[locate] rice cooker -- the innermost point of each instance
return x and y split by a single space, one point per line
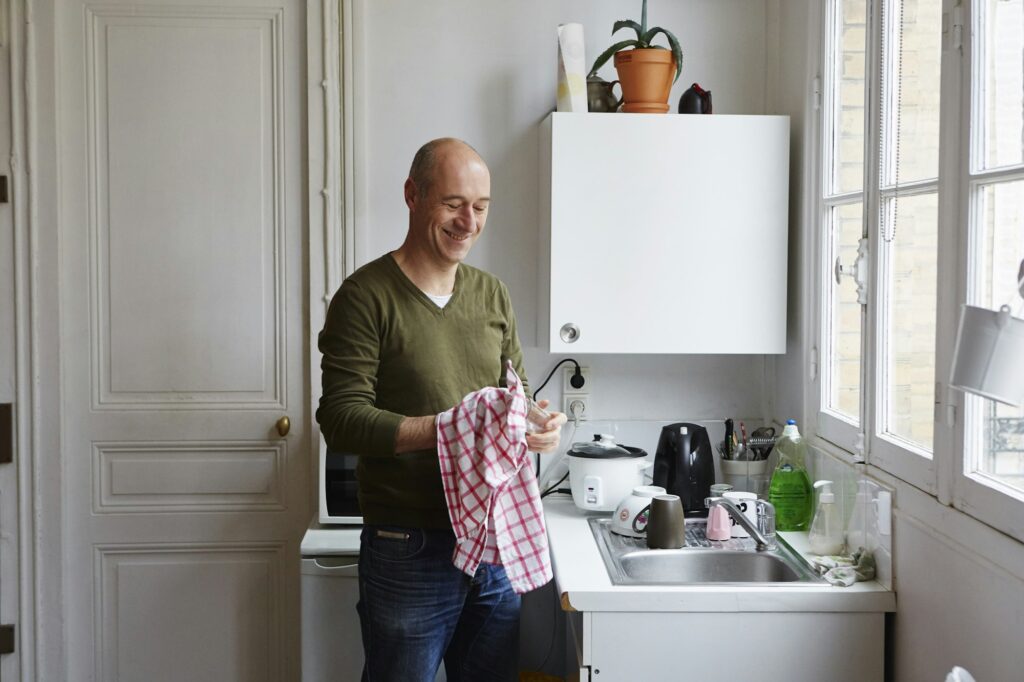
603 473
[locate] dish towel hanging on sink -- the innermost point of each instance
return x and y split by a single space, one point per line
490 487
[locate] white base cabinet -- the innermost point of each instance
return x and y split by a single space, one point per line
761 646
664 234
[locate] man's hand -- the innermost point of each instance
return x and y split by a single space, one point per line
550 433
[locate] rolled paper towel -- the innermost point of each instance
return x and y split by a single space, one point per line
572 81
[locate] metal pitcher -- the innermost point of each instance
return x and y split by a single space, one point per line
600 96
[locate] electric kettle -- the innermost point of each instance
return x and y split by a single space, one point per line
684 465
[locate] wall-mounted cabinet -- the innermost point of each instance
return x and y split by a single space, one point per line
664 234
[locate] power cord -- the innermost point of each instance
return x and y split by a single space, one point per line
576 381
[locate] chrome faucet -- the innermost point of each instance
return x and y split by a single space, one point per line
763 533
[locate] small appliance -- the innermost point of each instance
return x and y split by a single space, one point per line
684 465
602 473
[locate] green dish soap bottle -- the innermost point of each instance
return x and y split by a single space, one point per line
790 489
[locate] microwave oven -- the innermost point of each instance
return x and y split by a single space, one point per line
338 495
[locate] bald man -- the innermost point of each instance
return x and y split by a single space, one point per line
407 336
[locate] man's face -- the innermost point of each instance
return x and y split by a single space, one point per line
448 219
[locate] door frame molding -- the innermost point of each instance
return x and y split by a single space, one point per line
39 648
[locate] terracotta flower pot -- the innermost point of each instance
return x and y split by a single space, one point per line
646 79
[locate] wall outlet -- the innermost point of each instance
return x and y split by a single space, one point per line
567 388
576 406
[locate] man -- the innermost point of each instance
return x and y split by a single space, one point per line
407 336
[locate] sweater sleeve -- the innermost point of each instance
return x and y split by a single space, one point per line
350 344
510 347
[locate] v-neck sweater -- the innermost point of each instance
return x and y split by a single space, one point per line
390 352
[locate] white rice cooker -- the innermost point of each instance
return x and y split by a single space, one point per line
602 473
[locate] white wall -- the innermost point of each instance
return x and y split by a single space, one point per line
485 71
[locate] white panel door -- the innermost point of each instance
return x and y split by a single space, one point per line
182 337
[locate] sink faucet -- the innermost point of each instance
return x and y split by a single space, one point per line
763 533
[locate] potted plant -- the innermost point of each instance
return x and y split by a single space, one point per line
646 71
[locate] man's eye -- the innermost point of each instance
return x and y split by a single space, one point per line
454 207
479 209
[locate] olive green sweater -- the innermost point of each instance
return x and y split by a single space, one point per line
390 352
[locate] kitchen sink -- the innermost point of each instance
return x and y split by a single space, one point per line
701 561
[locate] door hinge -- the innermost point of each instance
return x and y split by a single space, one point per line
814 363
3 185
6 433
6 639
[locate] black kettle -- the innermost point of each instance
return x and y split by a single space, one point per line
683 465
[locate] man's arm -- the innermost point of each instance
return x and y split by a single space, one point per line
350 343
416 433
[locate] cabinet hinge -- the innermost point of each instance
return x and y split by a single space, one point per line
6 639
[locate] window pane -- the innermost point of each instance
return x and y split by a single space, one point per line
848 96
843 361
1002 82
911 85
909 354
995 432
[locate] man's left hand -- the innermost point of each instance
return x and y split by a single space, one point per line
550 435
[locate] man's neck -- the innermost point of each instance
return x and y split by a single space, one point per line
428 277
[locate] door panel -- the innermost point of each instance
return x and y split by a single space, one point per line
183 338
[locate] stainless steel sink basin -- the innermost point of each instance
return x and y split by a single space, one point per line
702 561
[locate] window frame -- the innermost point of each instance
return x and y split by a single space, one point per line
942 475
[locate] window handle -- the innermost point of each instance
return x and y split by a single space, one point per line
858 271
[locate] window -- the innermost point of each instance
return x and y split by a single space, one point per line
880 215
896 211
992 475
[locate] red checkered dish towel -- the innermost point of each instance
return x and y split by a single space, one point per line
489 485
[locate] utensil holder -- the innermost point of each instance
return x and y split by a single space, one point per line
750 476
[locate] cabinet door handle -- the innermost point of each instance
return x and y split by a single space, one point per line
569 333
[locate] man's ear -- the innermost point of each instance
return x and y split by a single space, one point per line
411 193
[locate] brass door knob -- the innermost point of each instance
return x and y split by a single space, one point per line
284 425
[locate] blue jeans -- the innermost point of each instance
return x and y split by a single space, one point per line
416 609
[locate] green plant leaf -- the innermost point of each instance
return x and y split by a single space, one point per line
607 54
628 23
673 43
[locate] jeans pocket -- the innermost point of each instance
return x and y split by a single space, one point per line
393 543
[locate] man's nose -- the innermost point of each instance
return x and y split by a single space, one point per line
465 215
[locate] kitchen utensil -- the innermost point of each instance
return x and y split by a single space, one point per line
761 442
684 465
602 473
747 503
727 443
666 528
632 514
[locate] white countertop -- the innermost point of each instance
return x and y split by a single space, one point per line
583 583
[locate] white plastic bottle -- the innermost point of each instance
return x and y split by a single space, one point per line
826 534
862 529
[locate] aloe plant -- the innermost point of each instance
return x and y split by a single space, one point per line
643 40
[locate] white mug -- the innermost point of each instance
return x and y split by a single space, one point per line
631 516
747 503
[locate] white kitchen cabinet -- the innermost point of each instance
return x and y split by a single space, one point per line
664 234
767 647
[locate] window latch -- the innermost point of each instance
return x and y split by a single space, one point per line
858 271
